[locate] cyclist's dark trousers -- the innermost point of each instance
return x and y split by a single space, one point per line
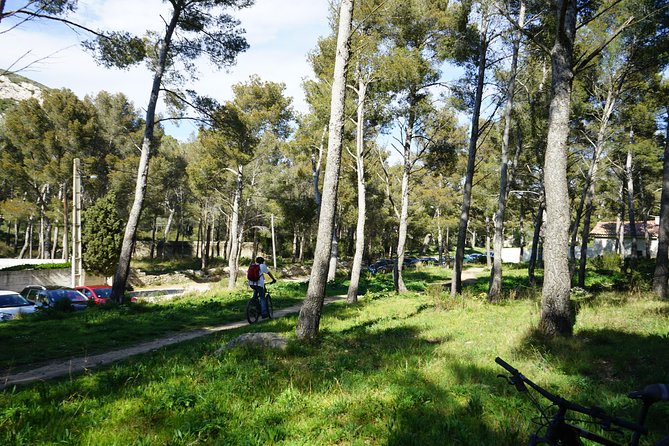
259 291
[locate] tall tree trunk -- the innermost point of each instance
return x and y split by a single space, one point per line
557 314
154 229
54 246
620 227
538 222
334 253
17 225
400 287
498 219
634 246
310 314
456 281
352 296
487 242
166 232
27 240
316 159
123 268
233 260
661 274
591 179
295 238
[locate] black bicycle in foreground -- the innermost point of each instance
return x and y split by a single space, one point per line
561 428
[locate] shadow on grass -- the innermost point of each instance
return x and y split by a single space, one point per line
41 338
613 362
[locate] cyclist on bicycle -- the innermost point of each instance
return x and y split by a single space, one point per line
259 285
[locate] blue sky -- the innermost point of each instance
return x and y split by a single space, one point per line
280 34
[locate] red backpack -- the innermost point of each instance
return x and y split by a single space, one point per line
253 273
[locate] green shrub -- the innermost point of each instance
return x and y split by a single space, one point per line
608 261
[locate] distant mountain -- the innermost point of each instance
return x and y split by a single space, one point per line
15 88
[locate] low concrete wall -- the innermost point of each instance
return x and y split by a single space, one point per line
17 280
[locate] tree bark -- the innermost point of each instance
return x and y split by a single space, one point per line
557 315
534 252
591 179
400 287
661 274
456 281
498 219
28 238
634 246
123 269
309 319
233 260
352 296
334 253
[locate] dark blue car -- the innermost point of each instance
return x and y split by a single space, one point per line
49 298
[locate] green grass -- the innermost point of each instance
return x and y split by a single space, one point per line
392 370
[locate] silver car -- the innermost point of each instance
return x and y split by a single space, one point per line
12 303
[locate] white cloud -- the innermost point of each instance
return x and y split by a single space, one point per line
280 33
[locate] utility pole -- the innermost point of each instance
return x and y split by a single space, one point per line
76 225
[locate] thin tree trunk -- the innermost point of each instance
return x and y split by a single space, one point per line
400 287
233 261
456 281
352 296
17 225
123 268
166 232
620 227
316 171
27 240
538 222
630 209
54 246
334 254
498 219
661 274
557 315
310 314
591 179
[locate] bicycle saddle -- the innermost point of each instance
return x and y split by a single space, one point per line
652 393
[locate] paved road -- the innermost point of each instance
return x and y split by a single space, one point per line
78 365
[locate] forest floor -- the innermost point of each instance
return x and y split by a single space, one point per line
80 364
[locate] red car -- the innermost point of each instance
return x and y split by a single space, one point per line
98 293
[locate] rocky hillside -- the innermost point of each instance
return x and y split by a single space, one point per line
14 88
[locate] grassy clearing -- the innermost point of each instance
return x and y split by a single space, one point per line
56 335
392 370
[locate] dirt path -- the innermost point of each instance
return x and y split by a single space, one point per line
77 365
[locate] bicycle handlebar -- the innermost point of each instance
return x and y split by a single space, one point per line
519 381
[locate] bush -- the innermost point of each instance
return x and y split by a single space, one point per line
608 261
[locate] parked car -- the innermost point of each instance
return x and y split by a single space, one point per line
99 294
474 257
49 295
428 260
381 266
12 304
410 261
30 292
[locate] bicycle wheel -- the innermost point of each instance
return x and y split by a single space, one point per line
270 308
253 311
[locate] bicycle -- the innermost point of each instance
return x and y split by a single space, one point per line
560 430
253 307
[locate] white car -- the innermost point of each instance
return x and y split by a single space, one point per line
12 303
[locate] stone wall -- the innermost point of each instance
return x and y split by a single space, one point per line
17 280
